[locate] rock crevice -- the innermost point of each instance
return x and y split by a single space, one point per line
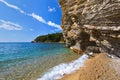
91 25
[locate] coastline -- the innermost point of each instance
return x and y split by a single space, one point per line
58 71
99 67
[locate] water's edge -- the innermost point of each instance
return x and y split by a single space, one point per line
58 71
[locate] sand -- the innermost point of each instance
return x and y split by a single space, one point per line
99 67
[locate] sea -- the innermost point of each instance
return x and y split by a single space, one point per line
37 61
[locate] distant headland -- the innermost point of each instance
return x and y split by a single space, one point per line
55 37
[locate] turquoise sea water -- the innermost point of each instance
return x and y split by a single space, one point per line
28 61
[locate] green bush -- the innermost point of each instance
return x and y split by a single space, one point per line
56 37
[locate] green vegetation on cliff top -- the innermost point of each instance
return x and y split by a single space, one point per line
56 37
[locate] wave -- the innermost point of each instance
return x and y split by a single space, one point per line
58 71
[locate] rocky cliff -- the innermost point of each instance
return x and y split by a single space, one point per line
91 25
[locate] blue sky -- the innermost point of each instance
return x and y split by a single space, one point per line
24 20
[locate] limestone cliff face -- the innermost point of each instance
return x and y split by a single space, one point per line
91 25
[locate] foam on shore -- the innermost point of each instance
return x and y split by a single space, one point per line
58 71
98 67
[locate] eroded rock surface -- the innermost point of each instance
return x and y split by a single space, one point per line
92 25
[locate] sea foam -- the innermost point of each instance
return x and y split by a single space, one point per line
58 71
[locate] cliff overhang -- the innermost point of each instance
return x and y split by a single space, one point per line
91 25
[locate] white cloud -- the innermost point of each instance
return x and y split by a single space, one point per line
53 24
42 20
9 25
37 17
33 15
51 9
12 6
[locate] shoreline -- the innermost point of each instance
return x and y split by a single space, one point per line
60 70
98 67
